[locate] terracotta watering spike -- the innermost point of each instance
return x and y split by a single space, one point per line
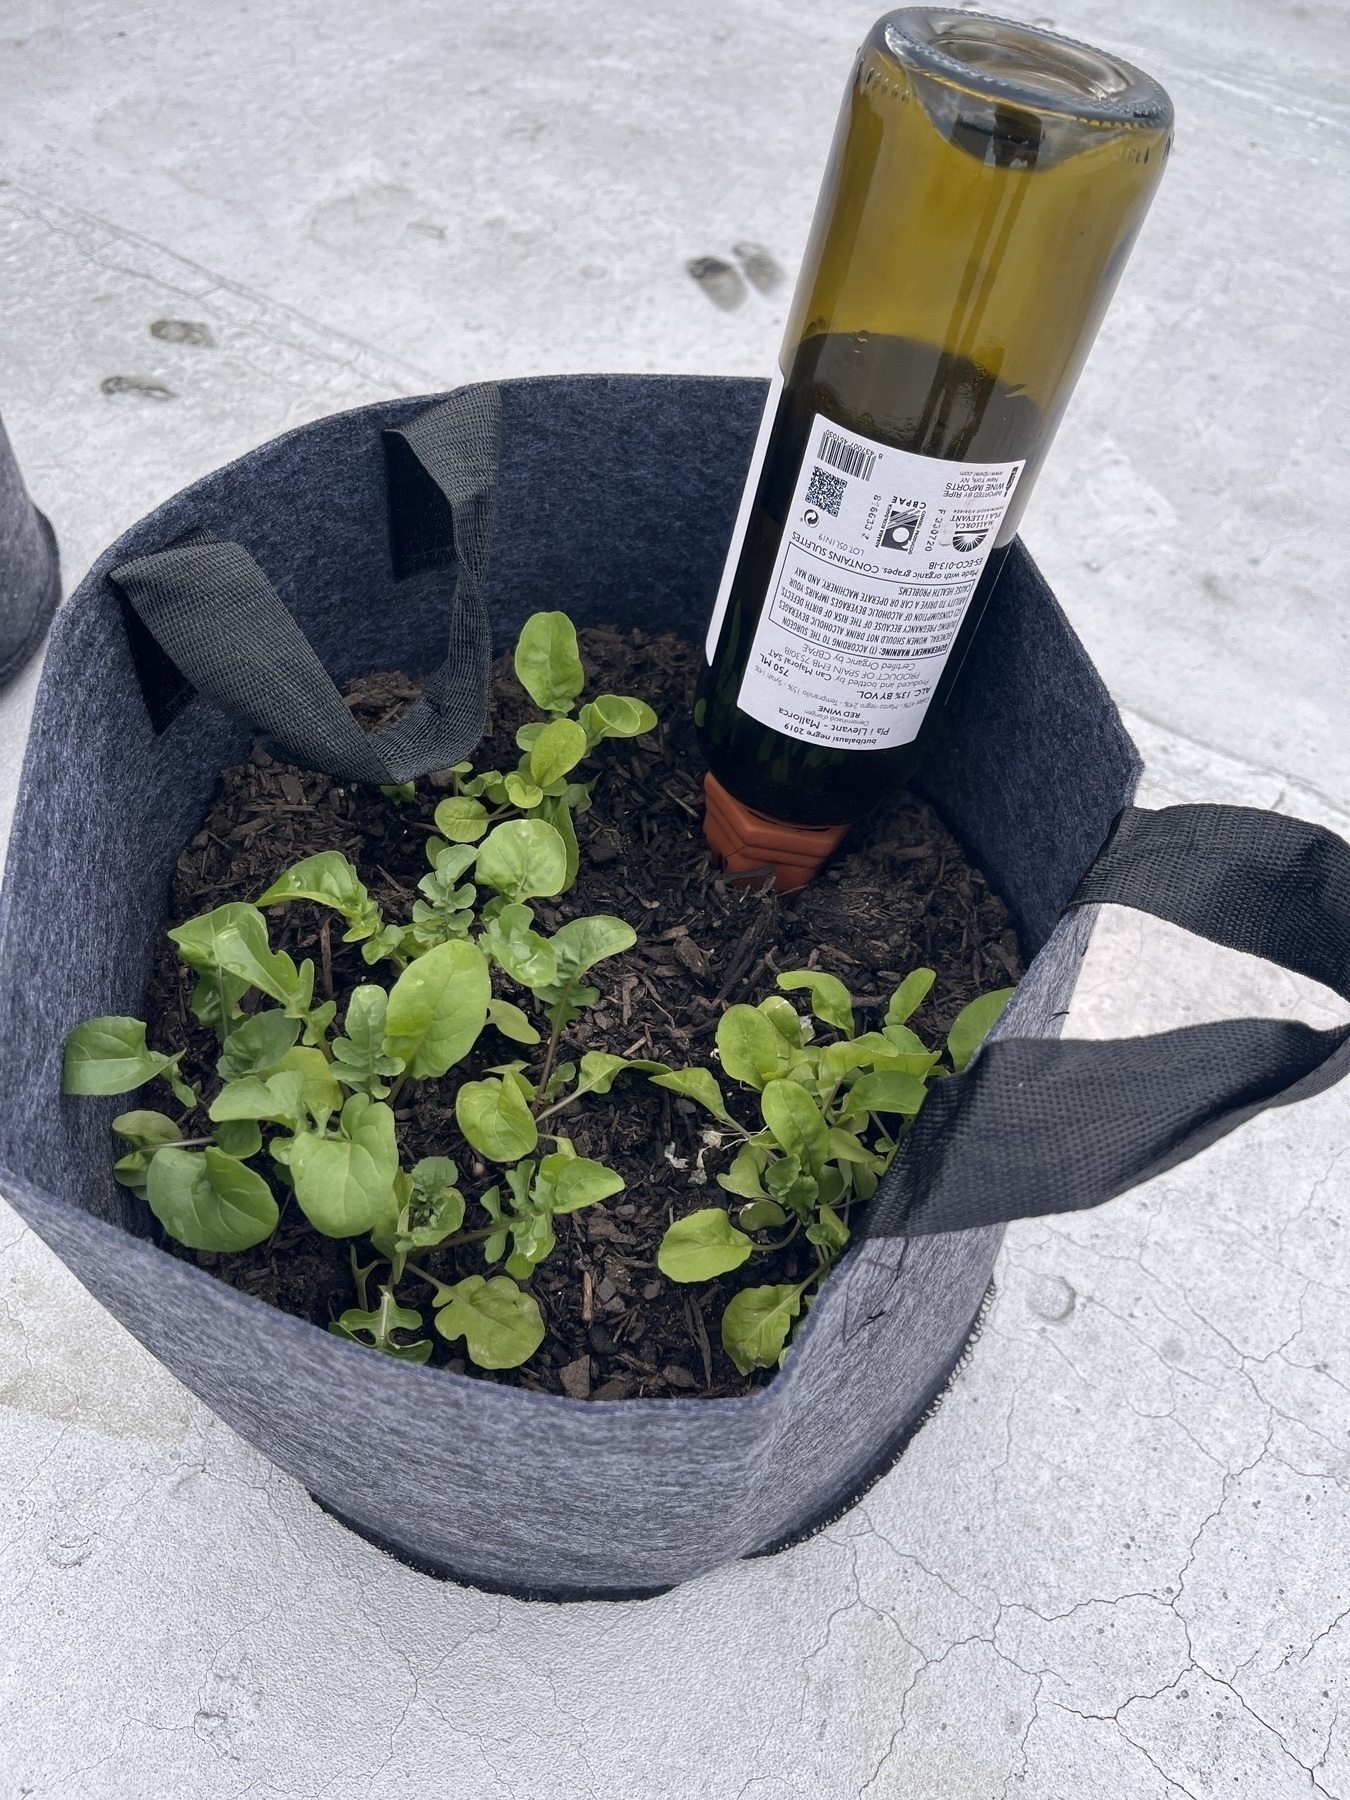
750 843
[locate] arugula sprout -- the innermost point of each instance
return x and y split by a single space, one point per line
502 1327
374 1327
109 1056
833 1113
366 1065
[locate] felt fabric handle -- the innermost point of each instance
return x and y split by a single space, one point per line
215 614
1038 1126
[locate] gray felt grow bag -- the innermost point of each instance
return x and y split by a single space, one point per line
30 572
615 502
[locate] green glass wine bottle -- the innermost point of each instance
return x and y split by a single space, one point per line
984 189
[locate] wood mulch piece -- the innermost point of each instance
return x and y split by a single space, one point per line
900 895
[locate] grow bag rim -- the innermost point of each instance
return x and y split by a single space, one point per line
375 408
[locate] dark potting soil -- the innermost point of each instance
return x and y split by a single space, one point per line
900 895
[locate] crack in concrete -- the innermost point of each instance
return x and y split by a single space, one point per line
334 346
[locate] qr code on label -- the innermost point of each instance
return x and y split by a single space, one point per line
825 490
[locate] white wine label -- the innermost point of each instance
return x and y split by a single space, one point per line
879 558
757 455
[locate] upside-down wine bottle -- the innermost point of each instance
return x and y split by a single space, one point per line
985 186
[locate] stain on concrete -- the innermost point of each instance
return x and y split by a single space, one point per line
372 217
720 282
141 387
761 269
1051 1298
183 331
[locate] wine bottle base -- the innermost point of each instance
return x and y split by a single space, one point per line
751 844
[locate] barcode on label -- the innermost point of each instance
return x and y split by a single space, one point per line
853 459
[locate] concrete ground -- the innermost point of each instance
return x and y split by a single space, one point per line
1118 1561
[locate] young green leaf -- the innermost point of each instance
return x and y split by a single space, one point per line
599 1071
794 1119
450 860
616 716
319 1092
329 880
510 941
921 1065
501 1326
523 859
461 820
494 1118
887 1091
582 943
565 1184
146 1130
556 810
697 1084
746 1174
109 1056
832 1185
234 938
132 1171
563 1073
750 1048
351 1324
359 1058
344 1184
215 1000
511 1022
834 1061
829 1230
239 1137
437 1008
973 1024
489 782
756 1324
316 1021
546 661
845 1147
703 1245
380 1325
786 1181
556 751
831 1001
784 1018
278 1098
514 1073
447 910
532 1240
909 996
258 1045
210 1201
522 792
432 1177
392 941
762 1215
435 1207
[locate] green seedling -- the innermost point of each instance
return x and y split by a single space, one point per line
832 1115
314 1107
